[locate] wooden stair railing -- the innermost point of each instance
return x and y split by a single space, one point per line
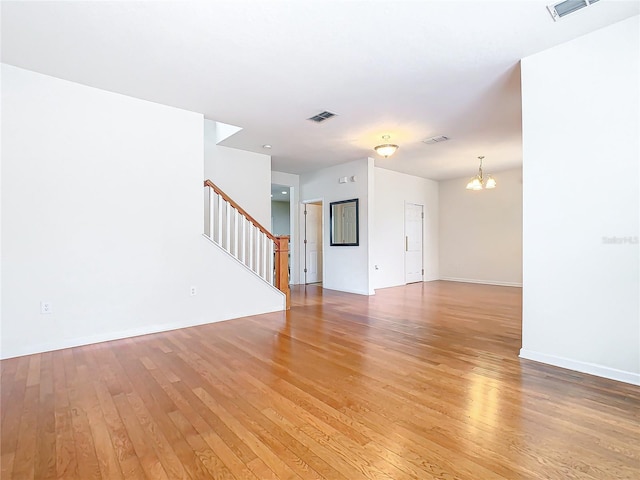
231 227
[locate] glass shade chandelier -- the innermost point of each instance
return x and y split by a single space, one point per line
387 149
479 182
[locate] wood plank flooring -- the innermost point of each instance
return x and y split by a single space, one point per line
416 382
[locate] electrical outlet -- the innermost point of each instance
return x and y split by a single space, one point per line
45 307
194 291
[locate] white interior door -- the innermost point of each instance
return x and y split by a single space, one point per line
413 218
313 243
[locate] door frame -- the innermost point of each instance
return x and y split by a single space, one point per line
293 229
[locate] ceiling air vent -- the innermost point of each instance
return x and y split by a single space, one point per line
559 10
322 116
437 139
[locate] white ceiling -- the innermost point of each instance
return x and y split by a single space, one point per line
409 69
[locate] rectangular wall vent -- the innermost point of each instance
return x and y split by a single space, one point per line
559 10
322 116
436 139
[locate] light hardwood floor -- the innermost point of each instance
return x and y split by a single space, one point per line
421 381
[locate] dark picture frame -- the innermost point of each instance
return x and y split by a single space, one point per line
344 223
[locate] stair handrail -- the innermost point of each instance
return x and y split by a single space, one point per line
227 198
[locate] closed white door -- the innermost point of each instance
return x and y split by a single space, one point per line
313 243
413 218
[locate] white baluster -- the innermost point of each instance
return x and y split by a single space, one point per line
219 210
261 254
258 269
232 227
211 212
236 230
243 236
265 247
258 251
251 248
227 232
270 253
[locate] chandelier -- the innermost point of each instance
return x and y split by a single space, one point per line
479 182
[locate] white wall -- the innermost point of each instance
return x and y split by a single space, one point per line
392 191
1 210
102 216
581 124
481 231
281 219
345 268
244 176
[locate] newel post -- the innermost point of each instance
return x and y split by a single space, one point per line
282 267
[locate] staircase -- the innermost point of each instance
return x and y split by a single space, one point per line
230 227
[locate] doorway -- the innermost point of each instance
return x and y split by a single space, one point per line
312 241
282 220
413 228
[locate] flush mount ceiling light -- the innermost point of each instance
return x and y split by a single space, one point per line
478 182
387 149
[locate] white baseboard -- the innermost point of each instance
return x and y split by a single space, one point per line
22 350
484 282
583 367
349 290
